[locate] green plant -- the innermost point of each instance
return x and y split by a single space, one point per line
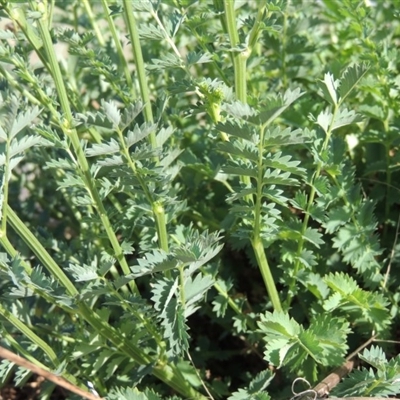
124 265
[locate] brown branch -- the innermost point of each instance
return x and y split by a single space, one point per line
328 383
58 380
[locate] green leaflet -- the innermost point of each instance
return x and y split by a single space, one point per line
380 380
290 344
364 307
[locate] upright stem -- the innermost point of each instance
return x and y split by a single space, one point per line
269 282
118 47
157 208
256 240
94 23
239 57
72 134
388 180
300 245
239 65
139 63
4 188
283 50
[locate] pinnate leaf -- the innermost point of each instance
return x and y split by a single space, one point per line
350 78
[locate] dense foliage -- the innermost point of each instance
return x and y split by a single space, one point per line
200 199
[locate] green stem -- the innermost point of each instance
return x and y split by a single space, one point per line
283 51
147 323
8 247
255 30
159 213
388 181
256 240
17 15
157 208
51 11
5 243
122 59
311 197
206 49
9 338
33 360
225 294
169 375
239 67
4 189
27 332
93 22
139 63
239 57
73 136
262 262
33 243
182 285
233 305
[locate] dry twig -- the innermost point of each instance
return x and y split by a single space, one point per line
58 380
327 384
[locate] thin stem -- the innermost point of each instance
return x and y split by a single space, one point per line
283 50
256 240
28 269
159 213
392 254
166 372
225 294
28 333
9 248
233 305
118 47
41 253
73 135
239 67
259 196
388 181
17 15
15 345
139 63
262 262
311 197
6 178
51 11
157 208
239 57
206 49
133 310
182 297
255 30
93 22
199 376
